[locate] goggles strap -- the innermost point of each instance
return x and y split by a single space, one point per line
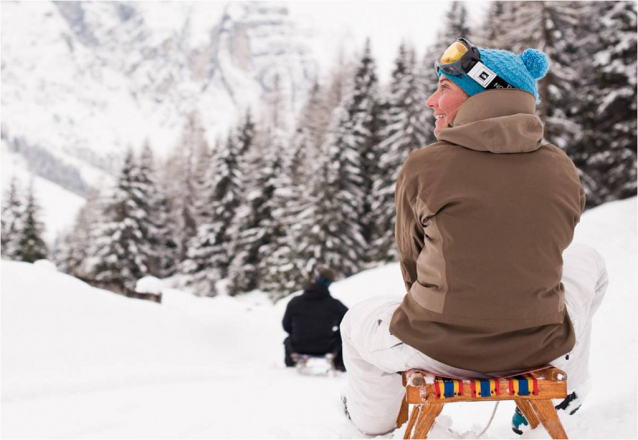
487 78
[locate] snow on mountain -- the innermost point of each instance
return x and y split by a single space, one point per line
90 79
82 362
59 206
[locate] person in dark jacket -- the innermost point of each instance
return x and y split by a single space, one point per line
312 321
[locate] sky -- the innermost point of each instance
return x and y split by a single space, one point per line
387 23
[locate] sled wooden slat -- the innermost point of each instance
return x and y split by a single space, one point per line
537 408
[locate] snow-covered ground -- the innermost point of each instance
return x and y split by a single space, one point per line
79 362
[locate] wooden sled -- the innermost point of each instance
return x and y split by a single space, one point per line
532 391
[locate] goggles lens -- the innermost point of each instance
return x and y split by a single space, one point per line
453 53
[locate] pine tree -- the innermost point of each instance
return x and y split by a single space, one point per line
180 188
121 251
246 232
330 228
312 126
608 102
31 246
59 251
340 81
490 36
280 265
360 132
592 66
11 214
552 28
153 223
405 130
209 251
75 245
455 25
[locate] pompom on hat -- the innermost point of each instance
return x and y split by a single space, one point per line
521 71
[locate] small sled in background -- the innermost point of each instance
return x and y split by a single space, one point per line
315 365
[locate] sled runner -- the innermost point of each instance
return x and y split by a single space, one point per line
532 391
314 365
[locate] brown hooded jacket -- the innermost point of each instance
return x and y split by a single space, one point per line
483 216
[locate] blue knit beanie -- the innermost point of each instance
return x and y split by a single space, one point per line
521 71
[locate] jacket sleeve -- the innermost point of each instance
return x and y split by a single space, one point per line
408 229
287 321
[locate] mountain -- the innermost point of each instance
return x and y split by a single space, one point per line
86 80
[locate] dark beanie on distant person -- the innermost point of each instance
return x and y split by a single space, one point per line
325 275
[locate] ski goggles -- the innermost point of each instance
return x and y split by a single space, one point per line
462 58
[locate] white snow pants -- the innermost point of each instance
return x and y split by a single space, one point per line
373 356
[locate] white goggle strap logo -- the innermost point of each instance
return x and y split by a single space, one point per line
482 74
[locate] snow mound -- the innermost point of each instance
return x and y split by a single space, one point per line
149 284
46 265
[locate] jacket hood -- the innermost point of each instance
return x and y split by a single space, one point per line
498 121
316 291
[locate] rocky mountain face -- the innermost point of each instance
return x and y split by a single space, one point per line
87 80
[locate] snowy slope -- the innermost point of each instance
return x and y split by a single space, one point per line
79 362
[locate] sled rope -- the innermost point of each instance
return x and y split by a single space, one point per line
491 418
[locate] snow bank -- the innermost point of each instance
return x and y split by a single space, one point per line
149 284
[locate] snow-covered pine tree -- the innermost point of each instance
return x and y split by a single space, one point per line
330 228
29 229
489 36
246 232
209 251
153 225
606 152
339 81
201 159
12 210
283 266
180 191
59 249
75 245
311 126
246 132
406 129
455 25
361 133
280 266
551 27
485 35
578 41
120 250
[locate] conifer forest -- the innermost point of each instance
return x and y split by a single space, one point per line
267 202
